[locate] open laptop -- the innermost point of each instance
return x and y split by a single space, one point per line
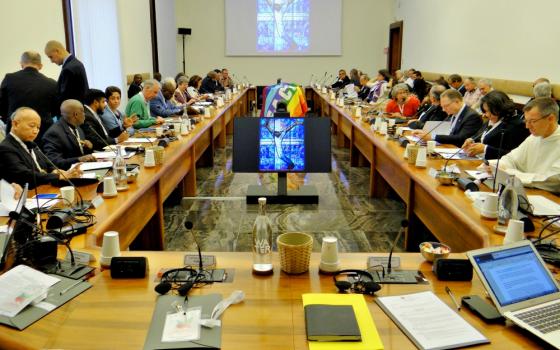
521 286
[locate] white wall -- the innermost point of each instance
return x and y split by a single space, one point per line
166 37
365 31
28 25
507 39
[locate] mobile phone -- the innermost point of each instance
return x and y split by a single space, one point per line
482 309
46 196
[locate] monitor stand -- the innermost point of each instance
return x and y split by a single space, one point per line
306 194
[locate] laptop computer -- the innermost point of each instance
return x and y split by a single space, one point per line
521 286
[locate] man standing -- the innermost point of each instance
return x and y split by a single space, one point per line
465 122
138 105
29 88
18 159
64 143
72 81
536 162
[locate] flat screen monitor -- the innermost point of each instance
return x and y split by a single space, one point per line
282 144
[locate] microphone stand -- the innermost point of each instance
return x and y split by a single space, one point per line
399 276
498 162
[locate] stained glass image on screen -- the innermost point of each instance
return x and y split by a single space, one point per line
281 144
282 25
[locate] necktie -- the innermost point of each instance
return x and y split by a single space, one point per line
77 134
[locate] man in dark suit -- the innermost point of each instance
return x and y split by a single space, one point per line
29 88
93 127
342 80
64 143
210 84
72 81
456 82
433 112
465 122
136 86
20 159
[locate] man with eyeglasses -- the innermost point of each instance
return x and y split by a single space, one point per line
536 162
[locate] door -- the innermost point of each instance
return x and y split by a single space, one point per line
395 46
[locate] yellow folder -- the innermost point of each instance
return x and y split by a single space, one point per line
370 337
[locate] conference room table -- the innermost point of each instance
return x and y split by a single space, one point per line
444 210
116 313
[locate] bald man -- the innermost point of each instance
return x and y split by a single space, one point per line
64 143
19 161
72 81
29 88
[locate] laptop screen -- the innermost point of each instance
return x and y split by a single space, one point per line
515 275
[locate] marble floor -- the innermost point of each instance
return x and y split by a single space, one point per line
222 221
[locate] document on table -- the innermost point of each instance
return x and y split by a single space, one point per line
141 140
93 165
111 155
7 201
543 206
429 322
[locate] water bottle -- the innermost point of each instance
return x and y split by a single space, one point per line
262 242
119 171
508 203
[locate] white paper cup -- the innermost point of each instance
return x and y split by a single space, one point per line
110 247
391 122
159 131
109 187
514 231
431 146
421 157
399 131
149 159
490 206
68 194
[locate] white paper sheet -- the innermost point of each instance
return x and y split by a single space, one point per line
7 201
141 140
94 165
543 206
429 321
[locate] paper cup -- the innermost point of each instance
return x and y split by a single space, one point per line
110 248
68 195
490 206
149 160
159 131
421 157
431 147
412 153
329 255
109 187
295 251
514 231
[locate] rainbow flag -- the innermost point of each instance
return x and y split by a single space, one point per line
291 93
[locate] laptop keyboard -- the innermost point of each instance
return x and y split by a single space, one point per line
545 319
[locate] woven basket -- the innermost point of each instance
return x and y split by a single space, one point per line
295 251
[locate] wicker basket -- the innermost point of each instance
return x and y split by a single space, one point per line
295 251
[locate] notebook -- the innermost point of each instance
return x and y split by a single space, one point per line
522 287
331 323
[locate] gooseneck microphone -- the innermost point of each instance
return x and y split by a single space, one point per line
189 226
404 225
498 161
90 128
83 205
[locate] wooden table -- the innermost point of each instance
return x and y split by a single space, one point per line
137 214
116 314
444 210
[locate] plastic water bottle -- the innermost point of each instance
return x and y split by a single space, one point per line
262 242
508 203
119 171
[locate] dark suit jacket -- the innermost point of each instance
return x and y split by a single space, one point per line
72 82
18 165
514 131
364 92
210 86
92 123
432 113
133 89
462 90
339 84
29 88
419 88
61 146
467 125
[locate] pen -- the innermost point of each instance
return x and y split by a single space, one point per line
453 298
71 286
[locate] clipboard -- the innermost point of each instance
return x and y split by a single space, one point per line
33 313
210 338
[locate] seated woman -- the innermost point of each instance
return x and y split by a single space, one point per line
504 130
181 98
402 104
379 86
114 120
192 90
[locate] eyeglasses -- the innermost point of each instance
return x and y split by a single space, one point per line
533 121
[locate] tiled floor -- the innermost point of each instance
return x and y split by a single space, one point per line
223 222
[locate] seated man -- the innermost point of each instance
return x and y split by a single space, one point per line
465 122
95 130
342 80
433 112
138 105
456 82
161 104
472 94
136 86
64 142
537 160
210 83
20 159
226 80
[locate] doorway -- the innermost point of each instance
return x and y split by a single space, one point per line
395 46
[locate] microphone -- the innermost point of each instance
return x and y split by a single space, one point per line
189 226
404 225
311 79
38 214
460 149
90 128
144 136
498 161
82 205
247 80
